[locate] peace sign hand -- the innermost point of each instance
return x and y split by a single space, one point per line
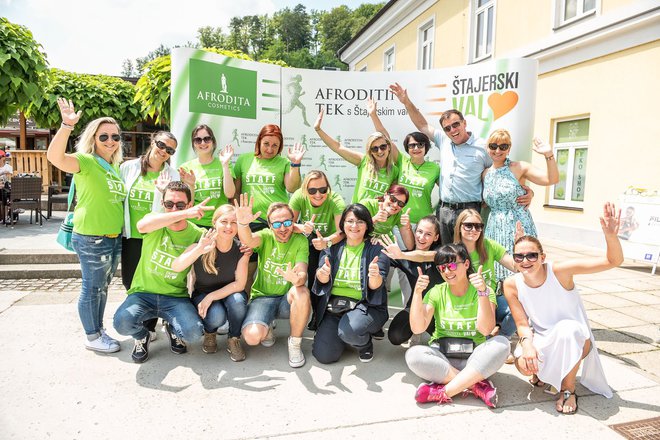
199 210
68 112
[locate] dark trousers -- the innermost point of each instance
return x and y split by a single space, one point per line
353 328
312 267
131 249
447 216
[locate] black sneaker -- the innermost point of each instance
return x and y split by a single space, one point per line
367 354
380 334
176 344
141 350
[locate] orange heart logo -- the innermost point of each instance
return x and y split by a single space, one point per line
501 104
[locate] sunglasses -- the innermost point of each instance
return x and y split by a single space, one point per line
416 146
180 206
375 148
104 137
285 223
322 190
451 266
163 146
502 147
399 203
448 128
531 257
470 226
205 139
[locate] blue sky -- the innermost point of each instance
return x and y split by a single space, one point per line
95 36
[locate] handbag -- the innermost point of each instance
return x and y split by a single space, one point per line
460 348
338 305
66 228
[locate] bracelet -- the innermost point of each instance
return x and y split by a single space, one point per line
484 293
520 341
295 165
548 158
243 224
66 126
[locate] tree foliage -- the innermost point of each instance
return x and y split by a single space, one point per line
22 68
95 95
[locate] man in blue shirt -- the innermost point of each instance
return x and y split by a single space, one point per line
462 159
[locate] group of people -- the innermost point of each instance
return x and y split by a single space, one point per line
209 245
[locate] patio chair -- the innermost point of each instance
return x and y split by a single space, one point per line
25 194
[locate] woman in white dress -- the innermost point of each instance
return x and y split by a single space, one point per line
552 324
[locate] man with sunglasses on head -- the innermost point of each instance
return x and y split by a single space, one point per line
462 159
157 290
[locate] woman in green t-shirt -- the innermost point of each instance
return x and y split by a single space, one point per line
459 356
213 177
376 167
99 214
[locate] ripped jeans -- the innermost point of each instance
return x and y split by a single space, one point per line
99 257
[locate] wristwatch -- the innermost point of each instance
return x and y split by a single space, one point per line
328 243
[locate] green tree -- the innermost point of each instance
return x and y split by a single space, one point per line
336 28
141 62
293 28
22 68
209 36
127 69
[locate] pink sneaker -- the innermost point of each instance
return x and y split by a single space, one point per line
486 392
431 392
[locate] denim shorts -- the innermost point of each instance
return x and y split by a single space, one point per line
265 309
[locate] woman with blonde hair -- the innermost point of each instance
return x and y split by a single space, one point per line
99 214
376 167
220 273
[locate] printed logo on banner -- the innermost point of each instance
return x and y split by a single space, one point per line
222 90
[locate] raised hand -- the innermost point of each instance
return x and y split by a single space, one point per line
188 177
541 147
390 248
371 106
289 274
319 120
244 209
308 226
226 154
405 219
520 231
207 242
477 280
199 210
324 270
163 180
381 215
319 242
422 281
373 270
68 112
611 219
296 153
399 92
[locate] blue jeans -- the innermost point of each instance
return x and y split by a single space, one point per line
264 309
503 317
179 312
99 257
233 308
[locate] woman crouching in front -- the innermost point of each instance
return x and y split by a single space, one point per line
459 358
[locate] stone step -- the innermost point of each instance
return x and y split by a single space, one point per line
37 256
34 271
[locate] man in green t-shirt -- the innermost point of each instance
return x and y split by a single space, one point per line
157 289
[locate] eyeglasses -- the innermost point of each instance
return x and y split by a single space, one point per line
226 224
416 146
375 148
451 266
205 139
449 127
470 226
104 137
393 199
163 146
285 223
180 206
322 190
531 257
502 147
355 222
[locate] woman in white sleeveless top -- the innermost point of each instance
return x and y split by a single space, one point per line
552 324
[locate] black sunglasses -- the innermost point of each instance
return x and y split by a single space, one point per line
104 137
393 199
375 148
531 257
476 226
180 206
502 147
415 146
205 139
163 146
322 190
448 128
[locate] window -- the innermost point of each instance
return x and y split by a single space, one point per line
571 148
388 60
484 16
569 11
425 46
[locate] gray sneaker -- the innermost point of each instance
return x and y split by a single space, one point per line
270 338
103 344
296 356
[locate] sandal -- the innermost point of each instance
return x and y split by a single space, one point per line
536 381
566 394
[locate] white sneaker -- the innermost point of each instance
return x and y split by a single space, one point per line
296 356
269 341
103 344
223 329
153 336
415 339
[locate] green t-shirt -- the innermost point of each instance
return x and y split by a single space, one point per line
455 316
208 183
273 254
101 194
324 221
141 200
160 248
494 252
382 228
368 186
262 179
419 180
347 281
